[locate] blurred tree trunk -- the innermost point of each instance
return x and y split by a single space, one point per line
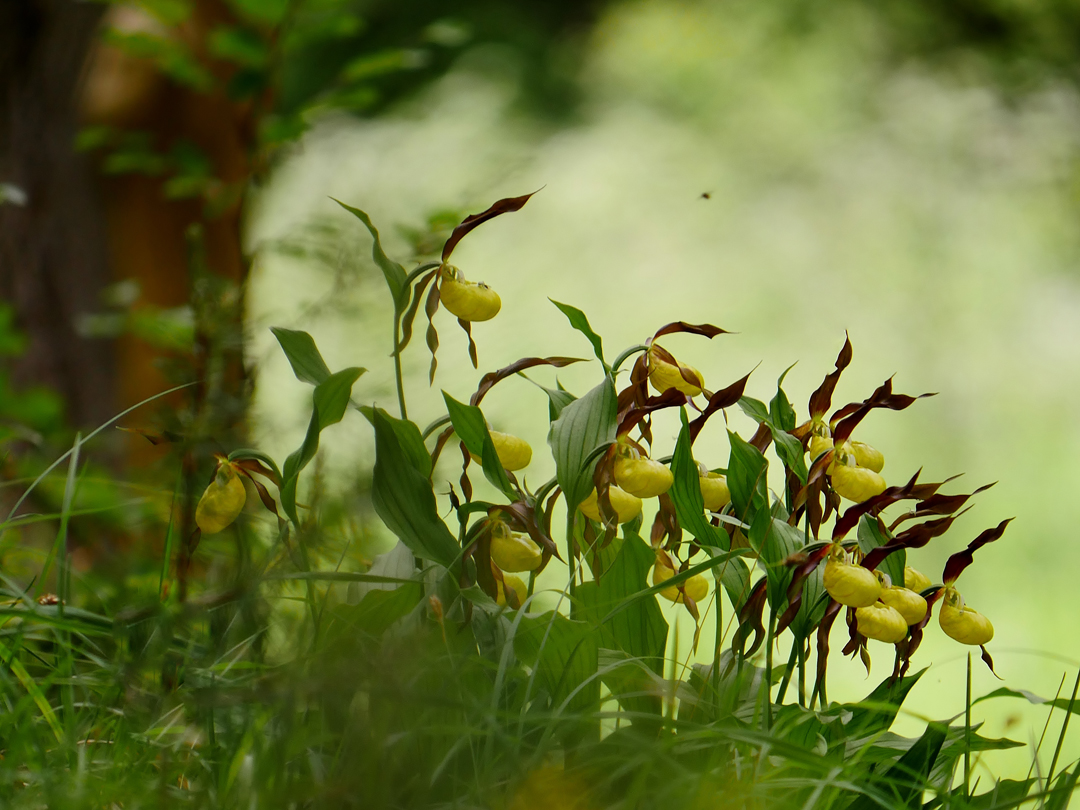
53 254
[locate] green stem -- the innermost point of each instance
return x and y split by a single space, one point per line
1061 736
571 558
768 669
802 672
967 734
641 347
397 365
782 693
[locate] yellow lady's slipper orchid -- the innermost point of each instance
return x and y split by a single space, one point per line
714 491
469 300
916 580
512 551
626 506
963 623
906 602
697 587
819 445
664 375
514 453
222 501
881 622
869 457
516 584
856 483
642 477
851 585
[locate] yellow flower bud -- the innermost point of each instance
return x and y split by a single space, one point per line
664 375
222 501
851 585
963 623
714 491
697 587
514 453
856 483
469 300
869 457
642 477
881 622
916 580
516 584
626 506
513 551
906 602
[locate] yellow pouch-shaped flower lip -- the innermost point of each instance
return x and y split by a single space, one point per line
468 300
664 375
714 491
626 506
516 584
851 585
881 622
697 587
819 445
514 453
856 483
962 623
222 501
869 457
906 602
514 552
642 477
916 580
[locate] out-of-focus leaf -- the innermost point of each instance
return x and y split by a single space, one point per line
583 426
241 46
875 713
393 272
303 355
1064 787
906 781
503 206
403 497
564 651
1058 703
581 323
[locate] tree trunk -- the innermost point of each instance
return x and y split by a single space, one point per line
53 253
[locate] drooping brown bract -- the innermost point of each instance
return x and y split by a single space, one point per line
503 206
821 399
956 564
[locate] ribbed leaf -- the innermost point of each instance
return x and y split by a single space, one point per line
471 427
393 272
583 425
303 355
329 401
403 497
581 323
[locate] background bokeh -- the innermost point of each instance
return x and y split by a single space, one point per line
727 163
